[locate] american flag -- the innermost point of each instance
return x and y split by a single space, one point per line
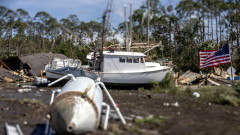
213 58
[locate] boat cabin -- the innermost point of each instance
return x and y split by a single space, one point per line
118 61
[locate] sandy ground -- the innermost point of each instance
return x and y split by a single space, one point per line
181 115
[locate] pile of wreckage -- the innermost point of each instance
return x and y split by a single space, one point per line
28 68
218 77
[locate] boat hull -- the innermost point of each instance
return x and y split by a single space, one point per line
118 78
131 78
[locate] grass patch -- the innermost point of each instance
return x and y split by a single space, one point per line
31 101
134 129
115 130
223 95
152 119
220 95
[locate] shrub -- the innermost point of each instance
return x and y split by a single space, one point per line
166 86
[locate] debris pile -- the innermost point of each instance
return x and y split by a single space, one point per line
8 76
28 68
191 78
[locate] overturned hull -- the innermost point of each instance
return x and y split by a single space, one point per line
76 109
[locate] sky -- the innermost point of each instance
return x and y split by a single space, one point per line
86 10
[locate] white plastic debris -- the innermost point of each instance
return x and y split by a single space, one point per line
25 122
28 86
196 94
166 104
175 104
24 90
42 90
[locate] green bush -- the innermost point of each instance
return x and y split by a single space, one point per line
237 87
166 86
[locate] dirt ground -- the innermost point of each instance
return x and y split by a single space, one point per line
181 115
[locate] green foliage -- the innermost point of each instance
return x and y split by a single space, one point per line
166 86
192 26
134 129
237 87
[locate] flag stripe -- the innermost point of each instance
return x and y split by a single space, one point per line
218 61
213 58
215 64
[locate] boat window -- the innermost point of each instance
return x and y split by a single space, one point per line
122 59
129 60
142 60
136 60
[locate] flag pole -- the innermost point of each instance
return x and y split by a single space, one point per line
230 45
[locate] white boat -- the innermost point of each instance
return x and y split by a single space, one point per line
125 68
116 68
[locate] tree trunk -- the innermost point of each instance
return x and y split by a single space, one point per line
212 26
208 27
220 28
203 27
216 19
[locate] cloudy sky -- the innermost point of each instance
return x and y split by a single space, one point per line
86 10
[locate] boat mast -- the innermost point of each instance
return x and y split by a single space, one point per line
127 29
103 30
128 32
130 27
105 21
148 24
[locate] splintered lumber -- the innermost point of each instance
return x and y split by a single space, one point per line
9 80
183 76
220 80
213 82
189 77
7 76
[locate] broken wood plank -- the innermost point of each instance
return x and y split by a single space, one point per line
213 82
